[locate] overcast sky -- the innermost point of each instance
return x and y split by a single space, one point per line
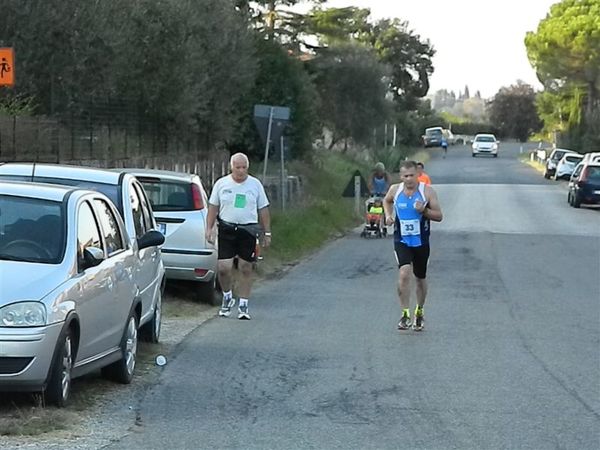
479 43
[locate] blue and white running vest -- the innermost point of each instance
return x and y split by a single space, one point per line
412 229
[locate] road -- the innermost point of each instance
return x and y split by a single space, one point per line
509 357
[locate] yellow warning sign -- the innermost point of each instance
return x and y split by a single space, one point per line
7 66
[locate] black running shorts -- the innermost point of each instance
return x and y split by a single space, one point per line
417 256
235 241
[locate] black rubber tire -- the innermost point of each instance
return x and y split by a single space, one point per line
150 331
122 370
205 292
58 389
576 201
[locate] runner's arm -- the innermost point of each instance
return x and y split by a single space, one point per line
388 204
433 211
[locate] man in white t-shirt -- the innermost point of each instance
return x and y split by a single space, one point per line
239 204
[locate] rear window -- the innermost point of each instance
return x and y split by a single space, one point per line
168 195
485 139
593 173
558 155
31 230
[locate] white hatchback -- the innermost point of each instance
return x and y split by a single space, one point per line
485 144
180 206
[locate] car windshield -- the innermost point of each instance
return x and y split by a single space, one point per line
573 159
31 230
485 139
166 195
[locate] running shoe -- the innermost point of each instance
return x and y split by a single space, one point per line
243 312
226 306
419 322
404 323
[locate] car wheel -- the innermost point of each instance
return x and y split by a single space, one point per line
495 155
473 155
58 389
546 175
576 201
122 370
205 292
150 332
569 201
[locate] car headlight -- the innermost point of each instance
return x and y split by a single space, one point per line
495 147
23 314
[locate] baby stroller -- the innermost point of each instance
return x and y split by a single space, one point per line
374 218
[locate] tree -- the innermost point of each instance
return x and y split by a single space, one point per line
352 88
513 111
280 80
408 57
564 52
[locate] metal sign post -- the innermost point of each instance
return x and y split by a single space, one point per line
283 177
267 145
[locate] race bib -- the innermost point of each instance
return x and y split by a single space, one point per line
410 227
240 201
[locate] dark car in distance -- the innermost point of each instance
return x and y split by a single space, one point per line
584 185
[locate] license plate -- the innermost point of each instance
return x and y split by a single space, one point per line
162 227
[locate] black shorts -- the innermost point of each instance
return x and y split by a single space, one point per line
236 241
417 256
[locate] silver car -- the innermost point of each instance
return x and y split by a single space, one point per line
130 199
68 300
180 206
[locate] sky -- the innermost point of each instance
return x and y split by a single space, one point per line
479 43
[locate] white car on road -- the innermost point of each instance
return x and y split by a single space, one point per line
485 144
566 165
180 206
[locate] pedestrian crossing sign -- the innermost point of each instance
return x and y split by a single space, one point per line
7 66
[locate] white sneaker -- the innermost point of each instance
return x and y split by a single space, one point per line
243 312
226 306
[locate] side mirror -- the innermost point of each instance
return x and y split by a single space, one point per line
92 256
152 238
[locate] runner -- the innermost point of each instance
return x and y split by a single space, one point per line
411 205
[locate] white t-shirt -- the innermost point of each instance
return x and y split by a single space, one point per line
239 202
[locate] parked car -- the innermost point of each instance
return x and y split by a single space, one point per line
566 165
433 137
130 199
68 301
180 205
584 185
591 157
552 161
485 144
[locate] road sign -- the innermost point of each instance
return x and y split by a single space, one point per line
270 122
7 66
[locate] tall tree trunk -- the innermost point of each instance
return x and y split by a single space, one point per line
271 20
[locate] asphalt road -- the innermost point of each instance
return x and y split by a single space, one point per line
509 359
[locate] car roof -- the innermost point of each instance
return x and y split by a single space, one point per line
163 174
36 190
485 134
62 171
563 150
572 155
